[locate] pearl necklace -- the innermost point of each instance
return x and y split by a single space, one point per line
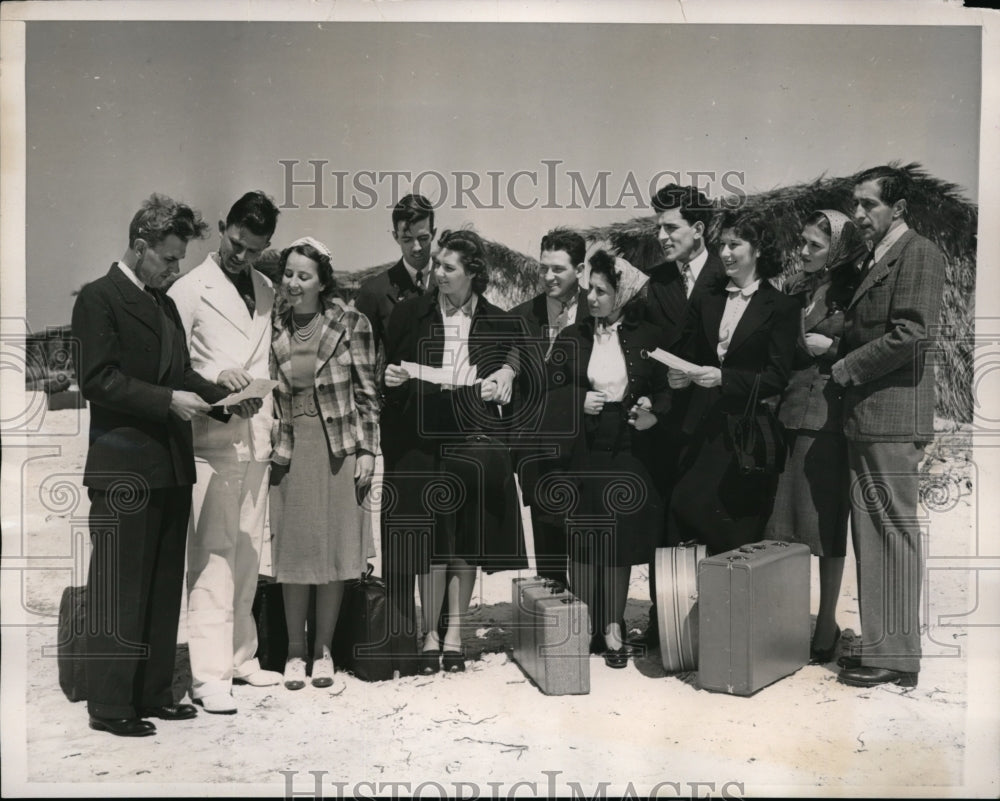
304 332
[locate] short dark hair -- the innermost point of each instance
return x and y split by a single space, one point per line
574 245
893 183
753 228
412 209
324 269
256 212
470 246
603 263
694 206
161 216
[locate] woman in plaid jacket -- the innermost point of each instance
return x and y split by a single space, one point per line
325 439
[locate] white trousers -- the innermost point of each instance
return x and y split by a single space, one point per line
224 543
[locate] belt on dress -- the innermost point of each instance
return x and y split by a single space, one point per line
304 403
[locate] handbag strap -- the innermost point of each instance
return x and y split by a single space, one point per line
752 400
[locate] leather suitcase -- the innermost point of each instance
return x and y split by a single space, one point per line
753 616
71 643
522 623
677 605
554 645
362 642
272 632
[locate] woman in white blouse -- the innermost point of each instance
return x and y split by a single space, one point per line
740 331
454 471
599 374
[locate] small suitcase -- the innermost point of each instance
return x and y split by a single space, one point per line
554 644
523 624
753 616
272 631
362 642
72 643
676 572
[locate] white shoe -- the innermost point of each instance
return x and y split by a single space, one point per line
295 673
217 704
322 670
259 678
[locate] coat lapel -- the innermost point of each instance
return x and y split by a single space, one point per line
136 302
880 269
711 314
333 332
401 286
755 315
222 295
263 306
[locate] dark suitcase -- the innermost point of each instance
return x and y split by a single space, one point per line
677 605
362 642
272 631
553 646
71 643
753 616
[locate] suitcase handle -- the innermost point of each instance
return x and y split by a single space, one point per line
752 548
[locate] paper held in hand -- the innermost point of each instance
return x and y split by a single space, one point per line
676 362
463 376
258 388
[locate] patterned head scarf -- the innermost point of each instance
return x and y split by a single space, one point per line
630 279
839 241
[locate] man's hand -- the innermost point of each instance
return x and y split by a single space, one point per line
640 417
839 373
187 405
707 377
395 376
504 380
247 408
593 403
817 344
678 379
235 379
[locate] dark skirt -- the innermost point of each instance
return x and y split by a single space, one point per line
813 500
456 499
712 502
618 516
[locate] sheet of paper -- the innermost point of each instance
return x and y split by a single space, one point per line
676 362
258 388
462 377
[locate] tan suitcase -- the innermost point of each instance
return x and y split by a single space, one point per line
677 605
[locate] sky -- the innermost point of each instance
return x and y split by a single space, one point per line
204 111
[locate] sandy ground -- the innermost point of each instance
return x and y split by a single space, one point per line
480 733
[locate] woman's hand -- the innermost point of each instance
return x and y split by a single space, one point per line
593 403
678 379
817 344
707 377
503 385
363 469
640 417
395 376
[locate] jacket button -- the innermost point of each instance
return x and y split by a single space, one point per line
319 386
329 419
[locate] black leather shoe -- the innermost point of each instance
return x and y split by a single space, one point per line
123 727
429 662
453 661
650 638
849 662
169 712
874 676
616 657
820 656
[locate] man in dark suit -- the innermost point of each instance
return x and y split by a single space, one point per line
683 215
143 393
562 303
888 419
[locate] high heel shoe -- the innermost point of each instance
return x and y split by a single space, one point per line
453 661
429 662
821 656
617 657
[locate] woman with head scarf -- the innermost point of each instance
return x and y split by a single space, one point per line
326 435
598 374
812 503
741 333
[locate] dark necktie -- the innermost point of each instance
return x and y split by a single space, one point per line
866 265
418 282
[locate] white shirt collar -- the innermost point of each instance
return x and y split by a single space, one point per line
130 275
746 291
889 240
696 264
468 308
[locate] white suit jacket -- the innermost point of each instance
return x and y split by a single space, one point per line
220 336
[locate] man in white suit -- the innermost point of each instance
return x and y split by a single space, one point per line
225 306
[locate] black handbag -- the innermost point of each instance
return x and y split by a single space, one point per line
757 437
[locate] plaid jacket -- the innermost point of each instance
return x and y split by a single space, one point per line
346 394
888 328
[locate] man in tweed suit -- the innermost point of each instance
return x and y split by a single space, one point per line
888 419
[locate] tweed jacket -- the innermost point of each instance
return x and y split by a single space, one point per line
887 327
763 344
813 401
376 299
345 389
221 336
131 360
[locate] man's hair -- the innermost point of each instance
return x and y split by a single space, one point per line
574 245
160 216
412 209
694 206
256 212
893 183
